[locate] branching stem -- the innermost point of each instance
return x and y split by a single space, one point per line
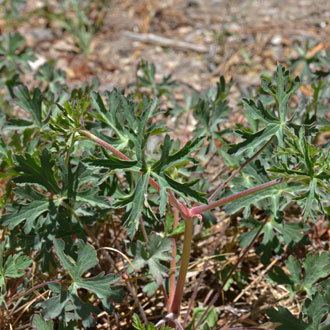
200 209
188 214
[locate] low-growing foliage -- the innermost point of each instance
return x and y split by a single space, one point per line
77 162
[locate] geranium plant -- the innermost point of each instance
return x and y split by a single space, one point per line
76 163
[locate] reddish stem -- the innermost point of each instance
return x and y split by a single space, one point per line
104 144
188 234
200 209
173 261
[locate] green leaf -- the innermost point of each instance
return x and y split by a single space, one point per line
317 309
209 321
86 259
165 151
168 160
16 265
292 232
33 104
185 189
112 163
212 109
92 199
108 117
38 323
40 171
68 307
152 254
138 325
255 140
257 111
99 285
294 269
286 319
29 212
311 197
305 274
252 199
316 266
137 204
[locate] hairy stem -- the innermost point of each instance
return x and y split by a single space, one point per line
188 234
104 144
225 200
173 261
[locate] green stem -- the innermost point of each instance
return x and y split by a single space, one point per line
188 234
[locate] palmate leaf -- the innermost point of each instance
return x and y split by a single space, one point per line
127 121
30 169
309 168
38 323
141 134
207 318
258 111
253 199
30 213
305 274
152 255
317 308
13 53
11 43
31 104
254 140
116 102
67 307
270 199
184 188
91 199
212 109
146 78
14 266
86 259
274 229
281 87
